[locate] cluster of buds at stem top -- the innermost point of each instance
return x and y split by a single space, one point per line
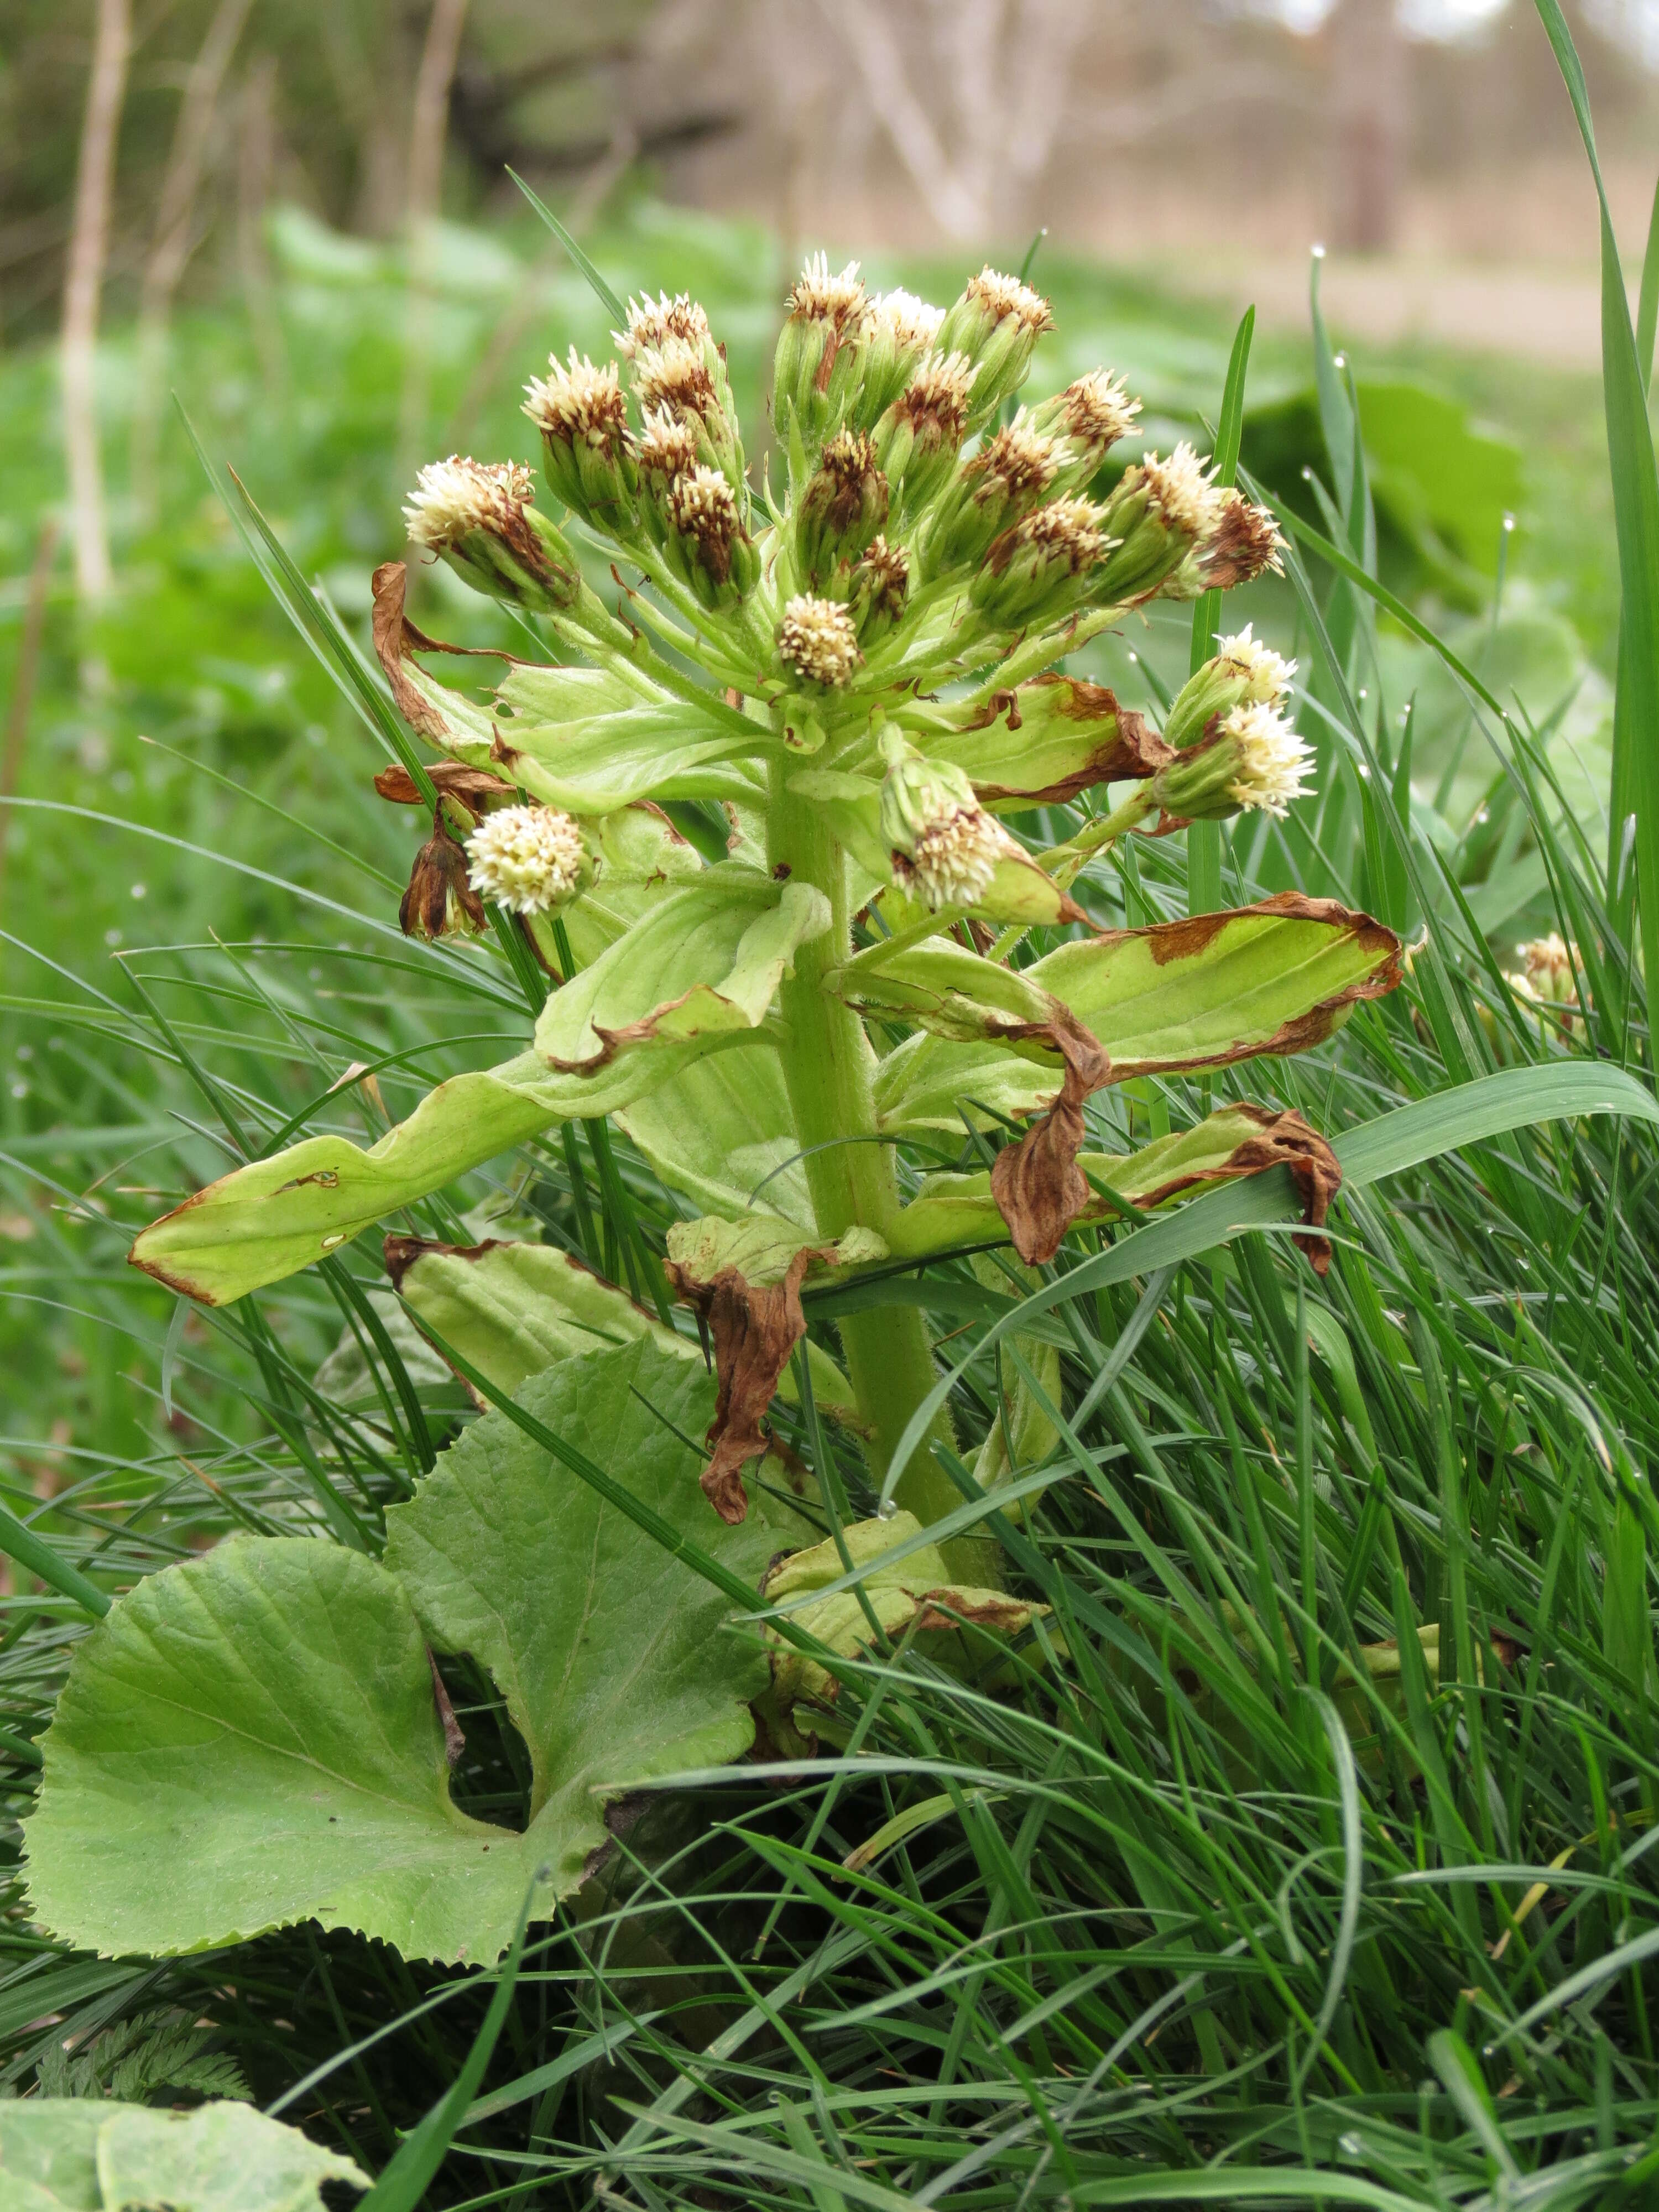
920 434
1243 673
1012 473
678 368
945 846
996 323
817 368
1251 761
479 517
587 448
842 509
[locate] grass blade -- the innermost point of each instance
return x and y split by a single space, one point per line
1204 838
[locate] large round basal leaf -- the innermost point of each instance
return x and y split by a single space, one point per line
264 1717
251 1740
83 2155
610 1654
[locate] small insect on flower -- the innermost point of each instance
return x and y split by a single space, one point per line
455 497
1264 674
818 640
527 858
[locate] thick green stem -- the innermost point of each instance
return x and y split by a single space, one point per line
828 1068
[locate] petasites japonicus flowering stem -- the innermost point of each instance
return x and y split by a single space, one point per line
828 1068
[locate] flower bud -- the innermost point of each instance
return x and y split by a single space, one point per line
1243 542
1163 514
440 901
705 542
920 433
480 519
880 585
1549 971
896 330
652 322
1002 482
1242 674
1038 570
945 846
816 370
1254 762
668 449
996 322
527 858
842 506
586 445
686 378
1088 417
818 641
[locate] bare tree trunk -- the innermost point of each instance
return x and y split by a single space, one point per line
1368 110
426 131
22 687
83 280
176 237
256 158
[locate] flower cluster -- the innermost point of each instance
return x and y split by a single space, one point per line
929 527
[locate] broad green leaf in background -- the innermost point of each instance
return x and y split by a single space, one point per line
722 1133
83 2155
267 1714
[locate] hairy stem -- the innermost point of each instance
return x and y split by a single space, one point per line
828 1068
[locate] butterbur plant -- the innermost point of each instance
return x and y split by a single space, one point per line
862 664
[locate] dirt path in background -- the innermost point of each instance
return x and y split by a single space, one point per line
1548 315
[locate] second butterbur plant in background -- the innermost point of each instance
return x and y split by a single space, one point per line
863 667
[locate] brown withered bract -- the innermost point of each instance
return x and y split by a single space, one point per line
1037 1184
754 1331
440 901
473 786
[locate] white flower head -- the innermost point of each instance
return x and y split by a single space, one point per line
652 322
1066 529
452 498
956 856
674 376
1183 490
998 296
578 401
1097 410
1022 457
668 447
526 859
1274 762
818 639
938 393
1266 674
908 324
819 297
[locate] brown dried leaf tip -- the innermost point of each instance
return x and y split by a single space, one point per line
474 787
1037 1184
754 1331
1285 1141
